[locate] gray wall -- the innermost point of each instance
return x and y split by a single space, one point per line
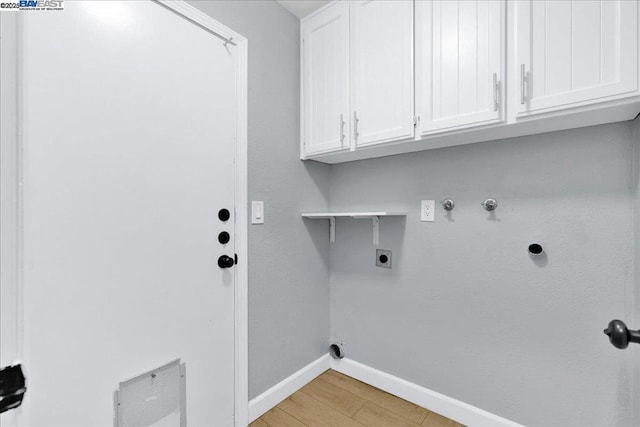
288 268
465 311
633 319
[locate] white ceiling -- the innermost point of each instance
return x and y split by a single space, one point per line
302 8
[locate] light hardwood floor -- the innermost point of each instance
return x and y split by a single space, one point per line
336 400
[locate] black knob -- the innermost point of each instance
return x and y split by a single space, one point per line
383 259
225 261
12 387
619 335
224 215
224 237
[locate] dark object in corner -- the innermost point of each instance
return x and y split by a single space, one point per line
12 387
336 350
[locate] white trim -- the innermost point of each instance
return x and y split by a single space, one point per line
9 182
285 388
10 201
242 244
447 406
302 79
318 11
200 18
451 408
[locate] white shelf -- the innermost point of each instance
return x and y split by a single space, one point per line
331 216
326 215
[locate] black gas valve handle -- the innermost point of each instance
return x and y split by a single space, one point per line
620 336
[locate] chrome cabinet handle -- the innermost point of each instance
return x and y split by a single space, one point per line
495 91
341 128
355 125
522 83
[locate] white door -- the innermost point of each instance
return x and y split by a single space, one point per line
574 53
382 70
129 128
459 63
325 80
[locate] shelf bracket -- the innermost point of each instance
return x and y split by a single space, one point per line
332 229
374 216
376 230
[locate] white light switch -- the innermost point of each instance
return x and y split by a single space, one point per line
257 212
428 210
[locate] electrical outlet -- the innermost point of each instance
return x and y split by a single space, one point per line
428 210
383 258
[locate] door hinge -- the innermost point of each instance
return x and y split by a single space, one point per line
416 121
235 258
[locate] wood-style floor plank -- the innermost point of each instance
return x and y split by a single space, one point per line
373 415
315 414
437 420
278 418
408 410
336 400
334 397
259 423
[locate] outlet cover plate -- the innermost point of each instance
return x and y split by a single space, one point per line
382 253
428 210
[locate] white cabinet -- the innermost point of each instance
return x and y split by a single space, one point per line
382 71
325 81
484 70
460 53
574 53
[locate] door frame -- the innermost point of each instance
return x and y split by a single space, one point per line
11 223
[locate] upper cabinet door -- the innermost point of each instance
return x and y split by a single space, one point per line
460 51
325 80
382 71
574 53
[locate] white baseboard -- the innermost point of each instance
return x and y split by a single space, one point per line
285 388
444 405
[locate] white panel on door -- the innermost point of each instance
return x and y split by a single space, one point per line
325 77
129 118
382 71
459 63
573 53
